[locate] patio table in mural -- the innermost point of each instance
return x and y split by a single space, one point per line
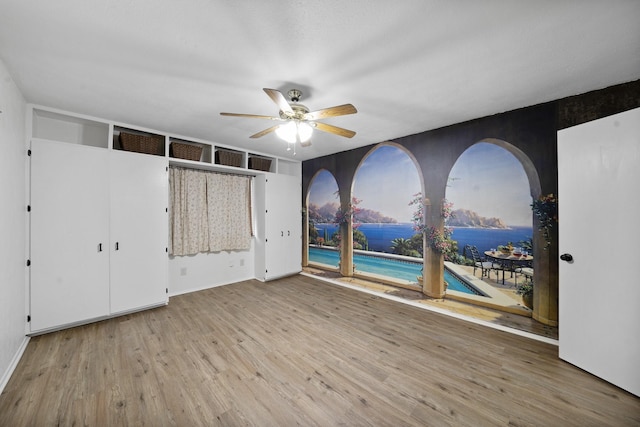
510 261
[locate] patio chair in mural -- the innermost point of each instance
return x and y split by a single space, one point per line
525 270
479 262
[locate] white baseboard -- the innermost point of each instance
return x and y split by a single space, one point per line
14 363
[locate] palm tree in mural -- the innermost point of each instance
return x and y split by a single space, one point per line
402 246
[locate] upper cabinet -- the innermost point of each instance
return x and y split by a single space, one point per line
61 126
72 129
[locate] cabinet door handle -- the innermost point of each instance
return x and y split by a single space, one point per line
117 246
99 247
282 234
288 233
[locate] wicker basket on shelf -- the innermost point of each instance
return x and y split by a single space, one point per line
148 144
186 151
229 158
259 164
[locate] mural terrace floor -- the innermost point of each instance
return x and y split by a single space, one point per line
496 317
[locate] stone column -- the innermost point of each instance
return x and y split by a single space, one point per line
346 238
433 264
545 277
305 237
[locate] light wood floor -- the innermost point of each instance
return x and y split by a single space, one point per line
298 351
502 318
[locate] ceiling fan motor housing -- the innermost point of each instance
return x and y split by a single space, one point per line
299 111
294 95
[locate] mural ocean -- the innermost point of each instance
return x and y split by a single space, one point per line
380 236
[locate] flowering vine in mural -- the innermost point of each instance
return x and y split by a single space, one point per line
440 241
545 208
350 212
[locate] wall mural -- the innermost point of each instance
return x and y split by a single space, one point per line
488 195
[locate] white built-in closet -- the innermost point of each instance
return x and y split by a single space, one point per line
98 217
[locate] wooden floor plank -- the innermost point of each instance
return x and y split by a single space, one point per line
299 351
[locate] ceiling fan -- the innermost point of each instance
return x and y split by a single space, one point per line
298 120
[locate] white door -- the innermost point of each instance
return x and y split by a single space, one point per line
69 271
283 226
599 290
292 224
139 200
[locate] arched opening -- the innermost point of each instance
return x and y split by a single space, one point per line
322 204
385 183
490 188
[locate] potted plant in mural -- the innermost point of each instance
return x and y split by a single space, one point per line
545 208
526 291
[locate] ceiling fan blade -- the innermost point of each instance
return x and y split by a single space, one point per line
334 129
280 100
340 110
264 132
252 116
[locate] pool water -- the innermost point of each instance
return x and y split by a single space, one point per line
395 268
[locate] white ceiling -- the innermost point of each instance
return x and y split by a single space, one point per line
407 66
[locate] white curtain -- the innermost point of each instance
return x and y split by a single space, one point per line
209 212
229 212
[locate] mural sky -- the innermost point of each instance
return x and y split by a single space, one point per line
486 179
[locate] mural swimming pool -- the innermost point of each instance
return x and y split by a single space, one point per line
395 268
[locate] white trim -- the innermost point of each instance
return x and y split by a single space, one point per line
439 310
14 363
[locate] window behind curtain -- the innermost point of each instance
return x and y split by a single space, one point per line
209 212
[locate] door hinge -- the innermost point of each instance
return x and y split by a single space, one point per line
28 208
166 290
28 263
28 318
29 153
166 250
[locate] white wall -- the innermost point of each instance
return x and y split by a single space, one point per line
207 270
12 225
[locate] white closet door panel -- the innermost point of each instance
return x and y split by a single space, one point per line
259 198
139 262
69 234
293 224
283 226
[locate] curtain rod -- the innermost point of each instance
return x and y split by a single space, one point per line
209 171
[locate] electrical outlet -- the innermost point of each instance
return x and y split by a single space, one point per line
183 271
241 262
231 263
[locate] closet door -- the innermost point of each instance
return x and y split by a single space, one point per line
283 226
69 274
139 260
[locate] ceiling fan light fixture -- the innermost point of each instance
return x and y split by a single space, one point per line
287 132
304 131
294 131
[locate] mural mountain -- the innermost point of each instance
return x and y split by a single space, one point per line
468 218
326 213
